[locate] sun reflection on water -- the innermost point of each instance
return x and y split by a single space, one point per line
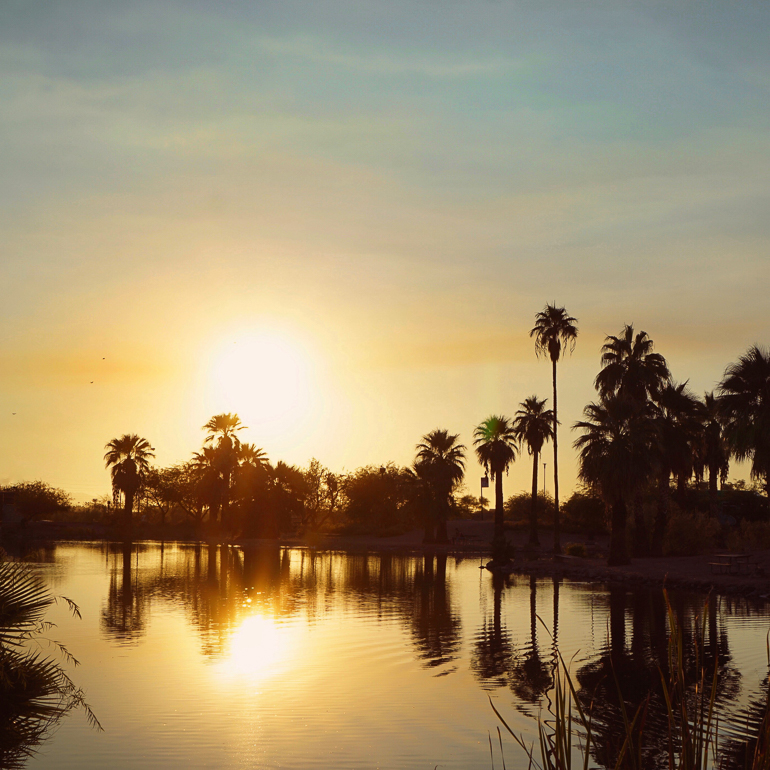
258 649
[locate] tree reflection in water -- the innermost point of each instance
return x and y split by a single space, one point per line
124 616
531 676
492 648
219 587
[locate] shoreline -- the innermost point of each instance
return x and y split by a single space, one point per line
473 538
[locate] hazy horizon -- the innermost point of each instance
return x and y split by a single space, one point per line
372 201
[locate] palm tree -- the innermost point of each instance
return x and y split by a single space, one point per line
630 368
676 411
441 462
554 331
496 445
127 458
614 453
224 427
208 480
712 452
744 398
533 424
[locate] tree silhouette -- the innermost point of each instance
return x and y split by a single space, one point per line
128 458
441 463
630 368
744 397
554 331
711 451
223 428
615 453
496 446
533 424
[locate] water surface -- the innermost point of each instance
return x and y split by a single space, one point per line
203 657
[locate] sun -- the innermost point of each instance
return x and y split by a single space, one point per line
267 378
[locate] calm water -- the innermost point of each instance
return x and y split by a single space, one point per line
208 658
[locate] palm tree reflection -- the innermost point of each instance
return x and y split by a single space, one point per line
124 616
493 648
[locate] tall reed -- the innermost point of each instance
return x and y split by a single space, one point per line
692 739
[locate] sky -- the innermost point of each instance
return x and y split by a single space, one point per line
339 219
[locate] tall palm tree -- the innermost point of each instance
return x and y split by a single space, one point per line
533 424
496 445
614 453
441 462
128 458
630 368
744 397
712 452
554 331
224 428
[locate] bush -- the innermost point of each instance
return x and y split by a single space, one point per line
576 549
749 536
689 533
518 507
585 511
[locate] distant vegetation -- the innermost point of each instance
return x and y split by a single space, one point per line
653 458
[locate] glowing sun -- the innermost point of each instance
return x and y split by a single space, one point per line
267 378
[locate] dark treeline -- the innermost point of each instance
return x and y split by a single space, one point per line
653 458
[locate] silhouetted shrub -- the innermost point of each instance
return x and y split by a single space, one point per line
584 511
689 533
749 536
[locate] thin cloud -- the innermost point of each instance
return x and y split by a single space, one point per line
434 67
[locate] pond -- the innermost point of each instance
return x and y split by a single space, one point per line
224 657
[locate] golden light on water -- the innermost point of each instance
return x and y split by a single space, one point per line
257 649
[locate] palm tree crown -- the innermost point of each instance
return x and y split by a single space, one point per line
223 425
496 445
629 367
440 462
745 403
251 454
128 458
443 456
129 447
533 424
554 331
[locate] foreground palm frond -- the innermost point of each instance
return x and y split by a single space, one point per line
35 691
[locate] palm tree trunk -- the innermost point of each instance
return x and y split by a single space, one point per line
641 539
618 553
533 539
225 515
713 493
443 515
128 507
556 528
499 529
661 516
